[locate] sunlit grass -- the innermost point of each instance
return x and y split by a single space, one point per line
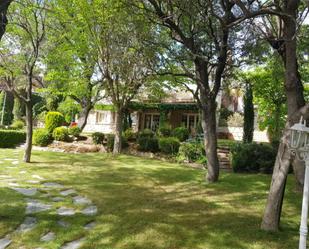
147 204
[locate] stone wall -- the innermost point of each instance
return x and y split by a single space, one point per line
236 133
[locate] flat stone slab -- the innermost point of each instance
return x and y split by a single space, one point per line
13 184
28 224
63 211
33 181
53 185
48 237
73 244
90 225
4 243
9 159
34 206
80 200
63 223
26 191
90 211
15 162
5 176
37 177
68 192
57 199
23 172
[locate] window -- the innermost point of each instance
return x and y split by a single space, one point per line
101 117
152 121
190 121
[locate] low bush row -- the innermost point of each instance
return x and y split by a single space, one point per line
11 138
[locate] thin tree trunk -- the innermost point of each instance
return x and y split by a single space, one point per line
4 5
29 122
118 132
210 140
83 116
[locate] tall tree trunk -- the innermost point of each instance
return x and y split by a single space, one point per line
295 100
210 140
248 115
118 132
29 122
4 5
83 116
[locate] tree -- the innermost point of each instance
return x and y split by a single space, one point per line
248 114
4 5
73 55
199 50
21 54
6 107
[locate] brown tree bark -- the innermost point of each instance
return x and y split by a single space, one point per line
118 132
83 116
4 5
295 100
29 122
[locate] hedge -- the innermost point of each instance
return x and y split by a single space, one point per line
11 138
53 120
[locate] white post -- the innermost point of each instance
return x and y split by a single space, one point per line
304 213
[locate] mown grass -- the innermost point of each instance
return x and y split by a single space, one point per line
146 204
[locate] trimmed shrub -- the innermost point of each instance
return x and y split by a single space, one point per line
18 125
61 134
192 152
148 144
97 137
146 133
11 138
42 137
53 120
129 134
169 145
181 133
110 139
253 157
164 131
74 131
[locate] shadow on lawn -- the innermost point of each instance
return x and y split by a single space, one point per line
147 204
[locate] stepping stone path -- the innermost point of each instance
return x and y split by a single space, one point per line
5 242
48 237
35 205
73 244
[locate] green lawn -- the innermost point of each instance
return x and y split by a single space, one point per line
146 204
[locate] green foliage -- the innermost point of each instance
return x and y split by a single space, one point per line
248 114
181 133
129 134
74 131
146 133
61 134
110 139
11 138
69 108
19 109
98 137
18 125
148 144
192 152
53 120
253 157
236 120
169 145
165 131
8 110
224 114
42 137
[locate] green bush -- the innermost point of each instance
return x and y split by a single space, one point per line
148 144
253 157
53 120
110 139
192 152
61 134
18 125
42 137
74 131
169 145
181 133
146 133
11 138
165 131
129 134
97 137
